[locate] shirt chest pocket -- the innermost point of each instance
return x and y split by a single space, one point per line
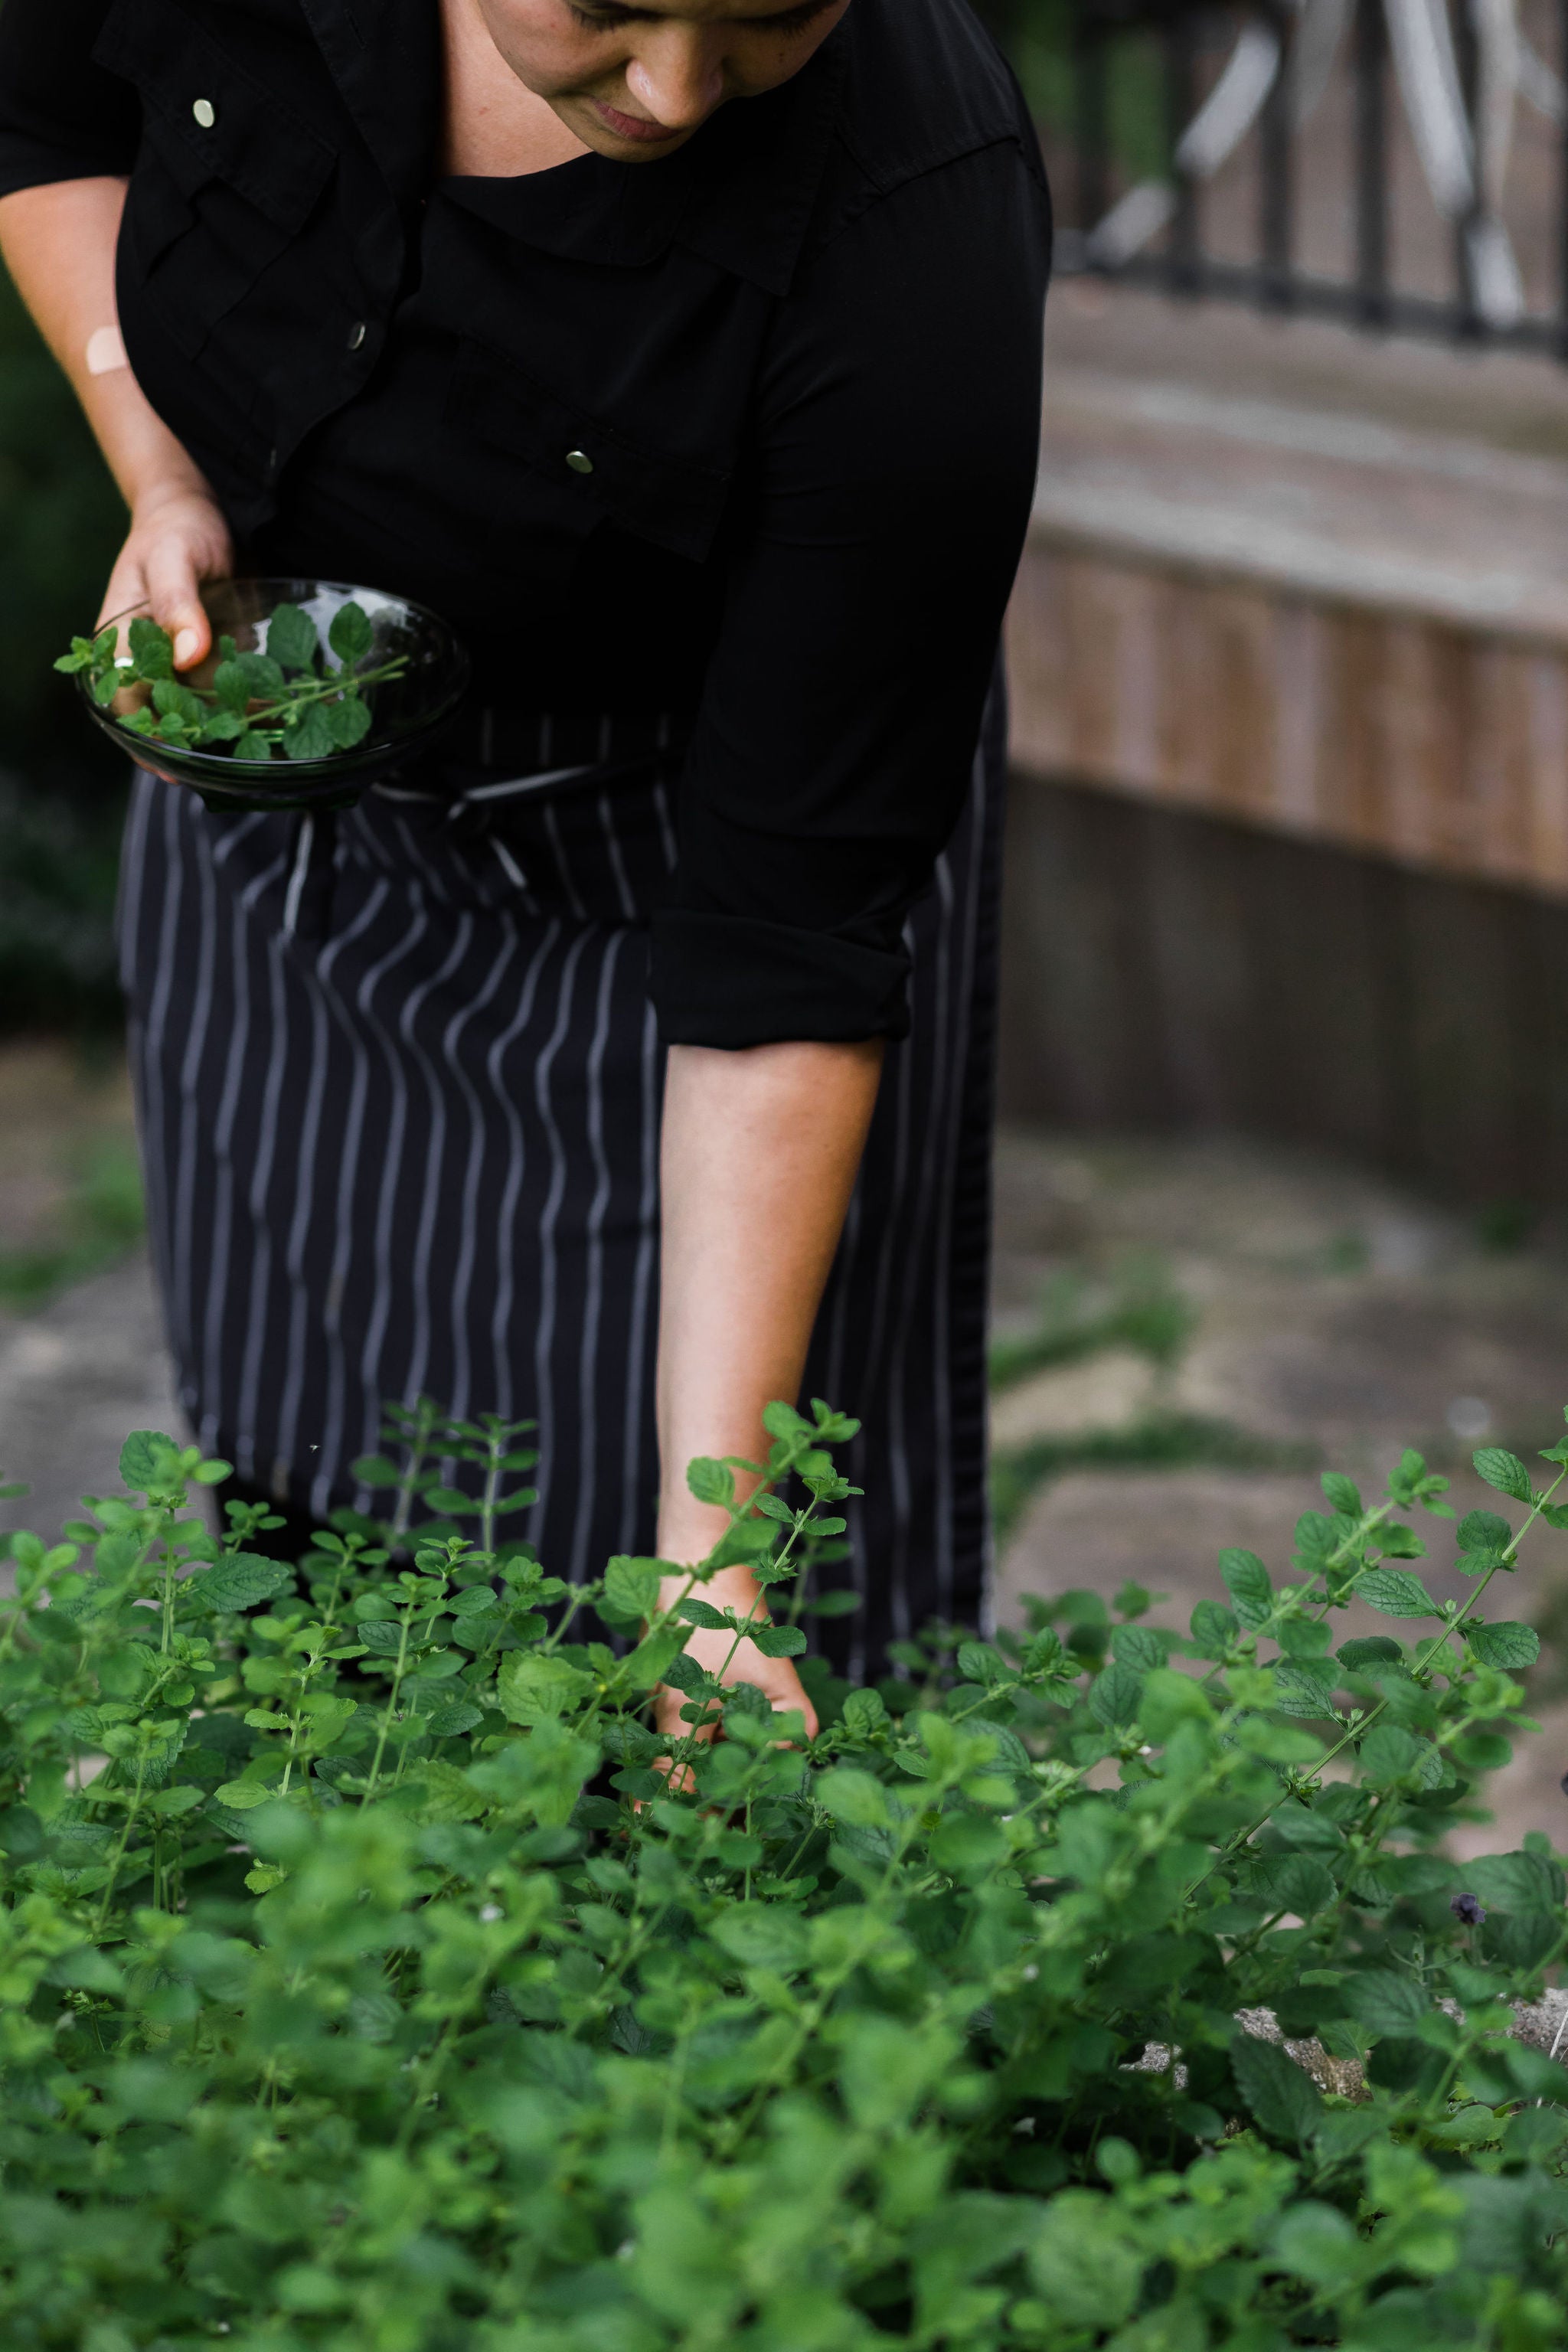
595 473
227 177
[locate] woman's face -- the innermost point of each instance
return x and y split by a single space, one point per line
633 81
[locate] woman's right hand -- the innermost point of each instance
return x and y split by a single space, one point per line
178 537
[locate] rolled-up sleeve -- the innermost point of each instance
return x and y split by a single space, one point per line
61 117
898 440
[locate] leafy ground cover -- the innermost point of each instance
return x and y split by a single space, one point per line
365 1982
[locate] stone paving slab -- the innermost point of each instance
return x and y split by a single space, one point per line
74 1379
1332 1309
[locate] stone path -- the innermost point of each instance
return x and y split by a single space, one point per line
78 1374
73 1381
1332 1310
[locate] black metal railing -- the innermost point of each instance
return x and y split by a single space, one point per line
1431 137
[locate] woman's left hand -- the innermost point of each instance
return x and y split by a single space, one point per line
743 1662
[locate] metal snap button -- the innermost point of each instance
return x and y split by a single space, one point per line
356 334
206 112
579 461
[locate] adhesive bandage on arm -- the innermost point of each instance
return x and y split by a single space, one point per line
105 351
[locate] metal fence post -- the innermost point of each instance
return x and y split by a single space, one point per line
1276 158
1371 164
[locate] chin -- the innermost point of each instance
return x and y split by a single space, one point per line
636 151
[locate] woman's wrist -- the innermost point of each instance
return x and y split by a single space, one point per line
689 1530
156 496
732 1587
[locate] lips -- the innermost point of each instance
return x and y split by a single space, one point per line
632 126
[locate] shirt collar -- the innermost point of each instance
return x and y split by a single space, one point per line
385 57
764 168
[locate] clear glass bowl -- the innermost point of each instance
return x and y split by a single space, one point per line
407 713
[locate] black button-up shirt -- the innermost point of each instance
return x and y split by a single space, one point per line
748 434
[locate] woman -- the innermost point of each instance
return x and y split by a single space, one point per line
685 356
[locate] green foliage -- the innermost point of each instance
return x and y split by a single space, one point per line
365 1986
1038 38
286 700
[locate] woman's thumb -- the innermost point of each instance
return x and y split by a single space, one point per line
176 602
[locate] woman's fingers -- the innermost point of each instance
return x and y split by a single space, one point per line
174 594
774 1678
171 547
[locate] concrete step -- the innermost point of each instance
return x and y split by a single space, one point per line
1282 573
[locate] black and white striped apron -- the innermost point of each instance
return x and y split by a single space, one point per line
399 1088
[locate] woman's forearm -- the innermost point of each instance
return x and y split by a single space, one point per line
759 1154
58 242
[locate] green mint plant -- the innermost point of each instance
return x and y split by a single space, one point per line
369 1984
286 700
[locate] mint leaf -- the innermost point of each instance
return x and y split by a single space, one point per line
1368 1652
703 1614
1507 1645
454 1715
309 737
1484 1531
779 1641
711 1482
1504 1471
1115 1696
1280 2096
631 1587
152 650
291 638
172 701
1215 1627
1395 1592
232 687
347 722
1385 2003
1246 1581
350 635
240 1581
262 675
147 1459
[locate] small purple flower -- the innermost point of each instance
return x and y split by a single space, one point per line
1468 1907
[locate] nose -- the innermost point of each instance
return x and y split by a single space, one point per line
680 79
